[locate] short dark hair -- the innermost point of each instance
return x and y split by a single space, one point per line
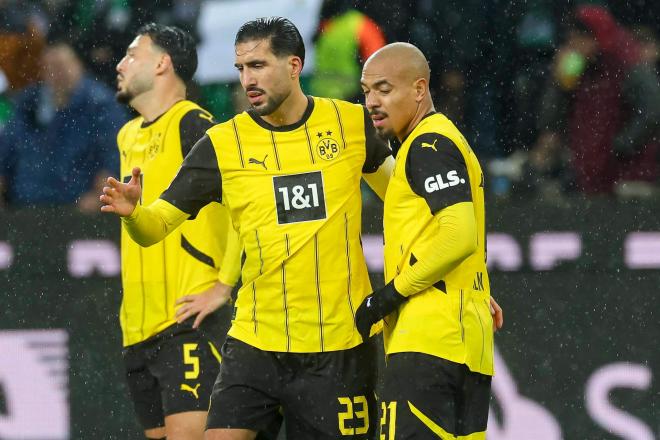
178 44
285 39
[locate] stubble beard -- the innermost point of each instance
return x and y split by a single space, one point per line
272 104
133 89
266 109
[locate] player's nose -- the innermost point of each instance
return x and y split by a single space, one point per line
371 101
120 65
247 78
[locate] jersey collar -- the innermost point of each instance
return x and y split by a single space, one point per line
290 127
146 124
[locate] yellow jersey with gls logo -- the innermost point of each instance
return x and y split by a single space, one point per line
293 193
436 168
187 261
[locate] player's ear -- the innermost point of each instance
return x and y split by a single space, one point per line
295 66
421 87
164 64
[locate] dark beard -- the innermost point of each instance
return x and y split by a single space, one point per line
265 110
273 102
384 134
124 97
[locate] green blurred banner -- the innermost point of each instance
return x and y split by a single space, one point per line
578 358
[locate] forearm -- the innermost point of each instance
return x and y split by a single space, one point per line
378 180
148 225
454 240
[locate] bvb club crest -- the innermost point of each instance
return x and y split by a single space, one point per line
327 147
154 147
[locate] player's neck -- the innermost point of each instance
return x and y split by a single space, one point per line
423 109
150 105
290 111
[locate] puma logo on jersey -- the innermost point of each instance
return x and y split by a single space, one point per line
427 145
259 162
206 116
437 182
193 391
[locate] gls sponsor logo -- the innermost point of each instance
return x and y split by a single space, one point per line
436 183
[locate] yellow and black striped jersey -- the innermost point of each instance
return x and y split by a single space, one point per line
435 168
188 260
293 193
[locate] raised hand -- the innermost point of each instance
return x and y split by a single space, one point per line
122 198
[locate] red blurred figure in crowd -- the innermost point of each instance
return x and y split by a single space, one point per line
611 100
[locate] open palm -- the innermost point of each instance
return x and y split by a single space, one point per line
122 198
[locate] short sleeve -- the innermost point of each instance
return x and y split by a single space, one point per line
198 181
192 127
377 149
436 171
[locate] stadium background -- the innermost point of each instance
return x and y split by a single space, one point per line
576 273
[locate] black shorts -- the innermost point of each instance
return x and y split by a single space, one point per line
169 373
321 395
426 397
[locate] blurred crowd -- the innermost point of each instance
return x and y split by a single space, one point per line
557 98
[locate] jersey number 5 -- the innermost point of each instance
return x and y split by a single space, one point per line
192 360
